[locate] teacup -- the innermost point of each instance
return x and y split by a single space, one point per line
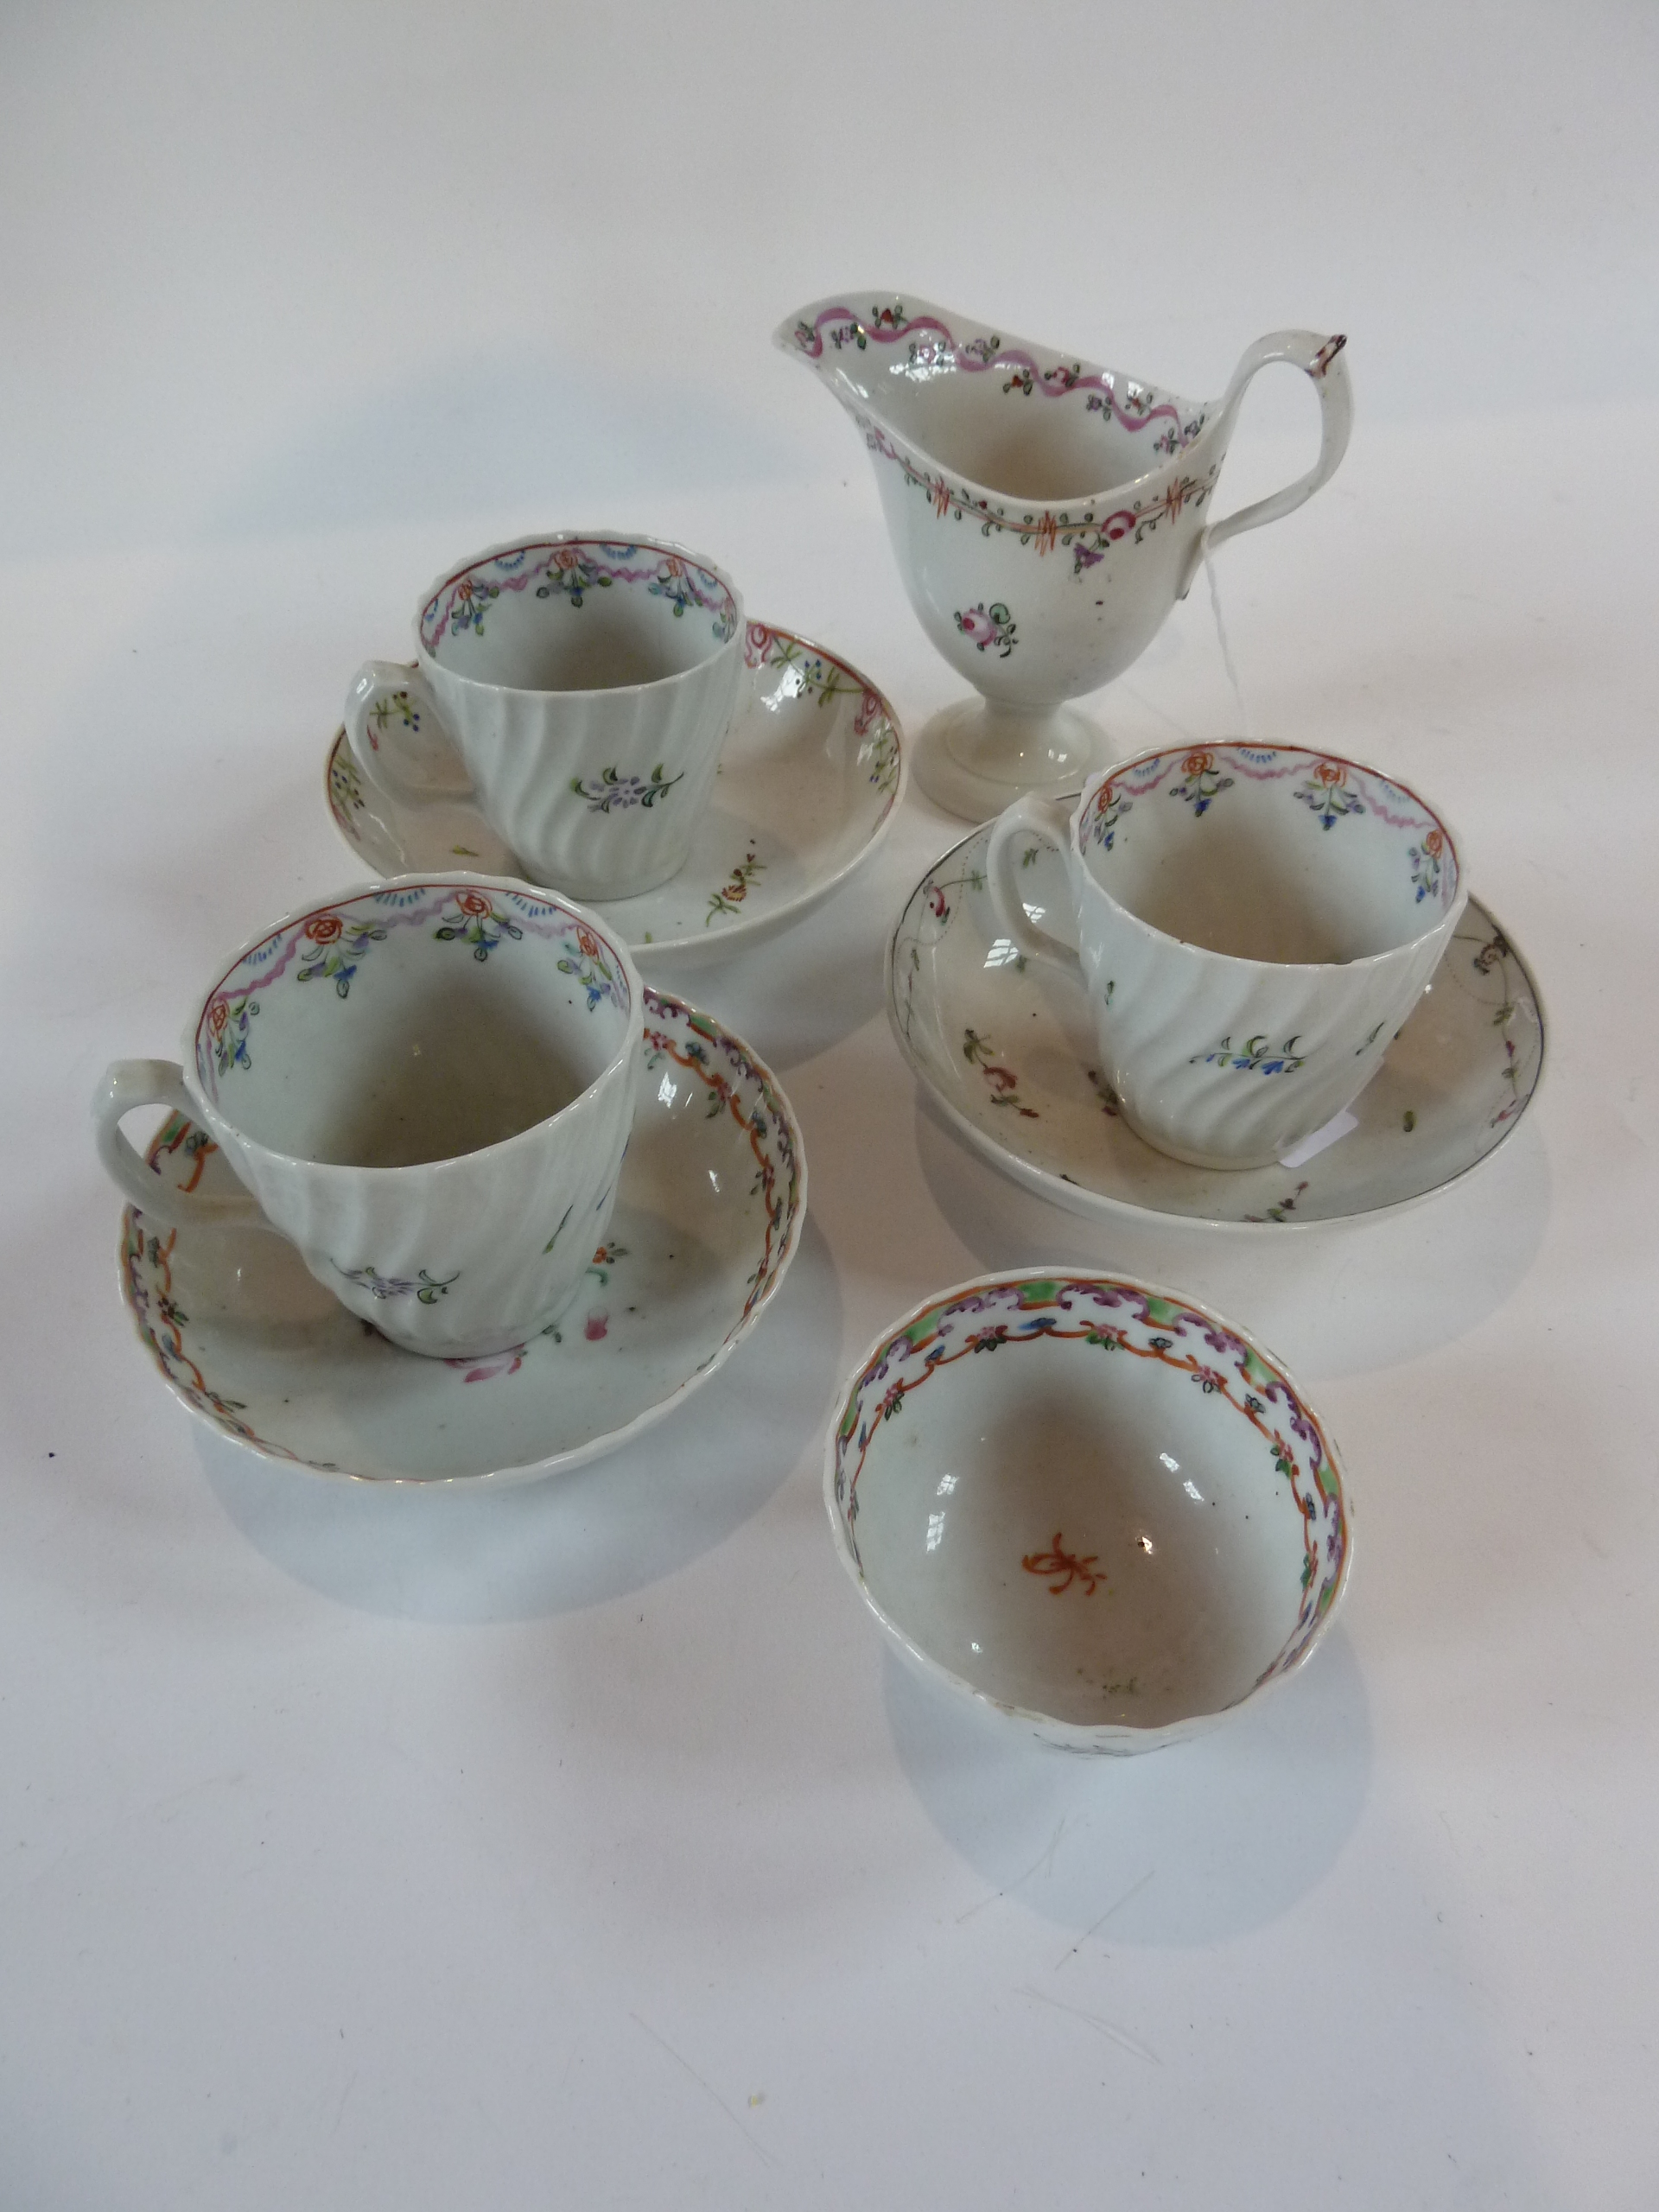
1253 924
427 1087
587 683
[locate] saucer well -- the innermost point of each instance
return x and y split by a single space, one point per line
1008 1054
710 1213
811 774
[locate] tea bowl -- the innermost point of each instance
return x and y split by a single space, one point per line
1119 1530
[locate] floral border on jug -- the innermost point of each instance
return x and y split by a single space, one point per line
1088 535
938 347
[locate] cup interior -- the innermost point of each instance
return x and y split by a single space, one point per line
1107 1523
1271 854
574 614
417 1022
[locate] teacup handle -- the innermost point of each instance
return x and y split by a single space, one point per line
130 1084
388 704
1028 817
1320 359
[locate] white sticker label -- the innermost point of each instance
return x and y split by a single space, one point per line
1319 1140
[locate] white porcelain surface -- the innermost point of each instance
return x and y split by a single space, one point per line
1253 924
709 1213
365 1848
812 770
1008 1050
1114 1530
588 682
1045 514
427 1087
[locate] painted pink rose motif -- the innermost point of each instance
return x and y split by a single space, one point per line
989 629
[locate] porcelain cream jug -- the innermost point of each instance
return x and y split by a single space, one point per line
1045 514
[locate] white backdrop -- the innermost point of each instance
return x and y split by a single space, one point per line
580 1846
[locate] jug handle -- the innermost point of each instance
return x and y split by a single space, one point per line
1320 359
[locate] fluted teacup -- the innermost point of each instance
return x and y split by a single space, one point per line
587 681
1253 923
425 1085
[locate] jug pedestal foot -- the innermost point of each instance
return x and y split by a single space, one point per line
975 757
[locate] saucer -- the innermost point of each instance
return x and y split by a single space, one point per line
707 1217
1009 1053
811 774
